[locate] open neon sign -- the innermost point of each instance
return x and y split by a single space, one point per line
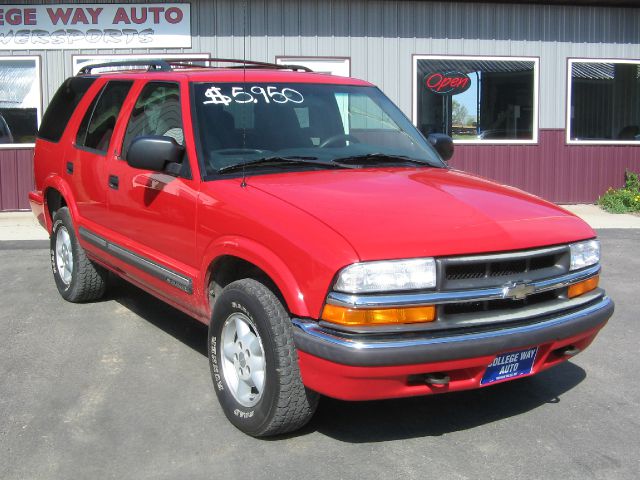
447 83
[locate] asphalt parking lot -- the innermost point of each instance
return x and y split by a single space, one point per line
121 389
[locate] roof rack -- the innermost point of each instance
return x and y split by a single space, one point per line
152 66
169 64
242 63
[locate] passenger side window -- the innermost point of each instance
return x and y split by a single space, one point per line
157 112
99 122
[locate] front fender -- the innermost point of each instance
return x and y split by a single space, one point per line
300 254
263 258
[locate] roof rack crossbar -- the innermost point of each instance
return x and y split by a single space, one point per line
253 63
168 64
152 65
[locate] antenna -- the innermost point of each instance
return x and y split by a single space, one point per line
243 183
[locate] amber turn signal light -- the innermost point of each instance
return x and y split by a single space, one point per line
378 316
585 286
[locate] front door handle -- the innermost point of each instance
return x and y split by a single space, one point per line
114 182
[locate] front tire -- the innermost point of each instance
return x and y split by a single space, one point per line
78 279
254 363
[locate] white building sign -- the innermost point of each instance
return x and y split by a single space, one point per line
99 25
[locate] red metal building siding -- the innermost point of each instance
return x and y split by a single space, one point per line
16 178
552 169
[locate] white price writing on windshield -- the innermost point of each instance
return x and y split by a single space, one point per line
254 94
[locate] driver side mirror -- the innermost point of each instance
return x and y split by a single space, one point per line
154 152
443 144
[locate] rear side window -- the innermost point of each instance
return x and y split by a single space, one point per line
99 122
62 106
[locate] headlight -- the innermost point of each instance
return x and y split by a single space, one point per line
584 254
388 275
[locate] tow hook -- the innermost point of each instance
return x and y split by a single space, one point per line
436 379
569 351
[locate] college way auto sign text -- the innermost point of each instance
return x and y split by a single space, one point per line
99 25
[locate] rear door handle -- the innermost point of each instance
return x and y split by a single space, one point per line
114 182
70 168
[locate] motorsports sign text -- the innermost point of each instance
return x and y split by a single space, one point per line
78 26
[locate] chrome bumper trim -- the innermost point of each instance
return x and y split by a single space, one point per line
405 349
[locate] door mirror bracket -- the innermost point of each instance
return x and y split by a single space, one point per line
443 144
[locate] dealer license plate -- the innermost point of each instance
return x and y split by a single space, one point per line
510 365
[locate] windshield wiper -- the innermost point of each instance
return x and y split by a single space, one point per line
373 158
299 160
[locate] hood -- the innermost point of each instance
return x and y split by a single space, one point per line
387 213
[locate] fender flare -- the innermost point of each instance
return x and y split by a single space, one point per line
57 183
263 258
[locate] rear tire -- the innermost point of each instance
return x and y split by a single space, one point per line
78 279
254 363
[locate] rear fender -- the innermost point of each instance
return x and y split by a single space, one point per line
56 183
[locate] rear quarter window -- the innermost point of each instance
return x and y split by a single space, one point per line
62 106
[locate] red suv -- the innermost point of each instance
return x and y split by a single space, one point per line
322 238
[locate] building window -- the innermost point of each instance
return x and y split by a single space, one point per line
603 101
477 99
80 61
340 66
20 102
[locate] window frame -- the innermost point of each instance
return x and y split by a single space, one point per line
568 139
105 58
38 64
536 94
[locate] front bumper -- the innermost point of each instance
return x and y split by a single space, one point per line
356 367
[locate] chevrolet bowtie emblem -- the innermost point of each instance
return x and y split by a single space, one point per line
517 290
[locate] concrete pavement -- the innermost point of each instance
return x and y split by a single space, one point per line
598 218
20 226
120 389
16 226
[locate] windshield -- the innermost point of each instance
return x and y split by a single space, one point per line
284 126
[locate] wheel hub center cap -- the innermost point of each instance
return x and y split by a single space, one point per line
242 366
243 359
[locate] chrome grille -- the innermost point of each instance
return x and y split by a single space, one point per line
497 270
465 272
457 273
500 305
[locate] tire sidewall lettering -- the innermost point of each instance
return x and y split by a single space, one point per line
238 306
254 416
215 367
54 238
243 414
